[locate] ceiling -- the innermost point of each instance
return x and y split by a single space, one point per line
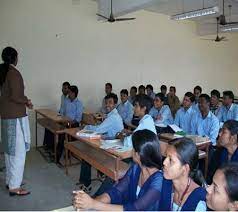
205 25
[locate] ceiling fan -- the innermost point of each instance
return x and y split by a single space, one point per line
111 18
222 17
218 38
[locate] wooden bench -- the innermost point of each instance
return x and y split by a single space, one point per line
50 120
97 158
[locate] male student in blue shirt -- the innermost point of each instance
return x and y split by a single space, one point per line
184 115
204 122
109 128
229 110
215 105
49 137
64 97
108 90
125 108
150 91
133 93
73 109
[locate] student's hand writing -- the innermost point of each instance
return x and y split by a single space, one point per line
82 200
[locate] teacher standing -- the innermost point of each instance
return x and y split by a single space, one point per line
15 131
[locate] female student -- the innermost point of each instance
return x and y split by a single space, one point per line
180 192
229 147
140 188
222 195
229 143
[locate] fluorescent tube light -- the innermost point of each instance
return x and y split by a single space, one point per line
196 13
230 28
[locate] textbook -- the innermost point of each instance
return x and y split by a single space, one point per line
114 144
88 134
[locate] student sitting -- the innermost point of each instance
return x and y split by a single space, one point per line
125 108
133 93
204 122
141 90
229 110
142 106
179 191
140 188
173 100
184 115
150 91
228 147
108 90
49 137
228 140
197 91
64 97
109 128
161 113
215 102
163 90
222 194
73 109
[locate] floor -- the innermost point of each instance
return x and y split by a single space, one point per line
50 187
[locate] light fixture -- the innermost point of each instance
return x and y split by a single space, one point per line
196 13
230 28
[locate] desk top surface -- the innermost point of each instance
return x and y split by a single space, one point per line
199 140
96 143
53 115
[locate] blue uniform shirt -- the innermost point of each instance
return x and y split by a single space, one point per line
208 126
183 118
165 114
126 111
110 126
226 113
62 104
73 109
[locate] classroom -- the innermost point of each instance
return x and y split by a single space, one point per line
106 93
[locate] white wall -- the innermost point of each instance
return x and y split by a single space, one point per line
58 41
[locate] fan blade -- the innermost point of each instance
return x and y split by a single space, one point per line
101 16
125 19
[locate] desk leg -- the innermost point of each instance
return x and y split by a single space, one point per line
206 161
55 146
36 129
66 161
67 139
117 170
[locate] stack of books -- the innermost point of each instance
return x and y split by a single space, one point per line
88 134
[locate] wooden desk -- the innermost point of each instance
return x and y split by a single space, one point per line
107 161
201 142
50 120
